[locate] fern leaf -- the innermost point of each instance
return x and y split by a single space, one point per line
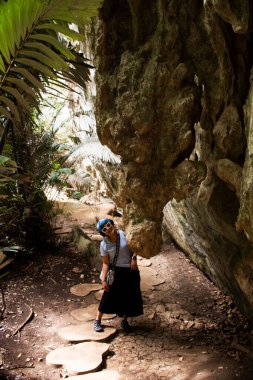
37 66
15 11
4 112
6 27
22 85
16 94
31 11
11 105
2 67
30 52
61 84
34 102
41 58
4 49
55 43
47 51
9 35
75 11
31 78
62 29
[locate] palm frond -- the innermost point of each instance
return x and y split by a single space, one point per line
22 85
31 52
27 76
10 106
74 11
6 113
50 40
61 29
16 95
95 151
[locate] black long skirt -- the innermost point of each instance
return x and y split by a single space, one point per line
124 296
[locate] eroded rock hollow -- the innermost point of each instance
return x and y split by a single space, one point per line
174 100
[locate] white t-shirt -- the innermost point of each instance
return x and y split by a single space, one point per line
108 248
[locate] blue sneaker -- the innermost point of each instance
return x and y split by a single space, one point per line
97 326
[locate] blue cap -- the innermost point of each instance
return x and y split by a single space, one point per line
101 223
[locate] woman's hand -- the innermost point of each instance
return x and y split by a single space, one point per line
134 265
105 286
105 268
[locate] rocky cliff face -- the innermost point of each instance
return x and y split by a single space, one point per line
174 99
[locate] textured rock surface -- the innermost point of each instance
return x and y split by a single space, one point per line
143 262
87 247
149 278
84 332
172 80
84 289
80 358
105 374
147 105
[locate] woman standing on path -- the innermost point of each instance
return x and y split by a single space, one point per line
123 297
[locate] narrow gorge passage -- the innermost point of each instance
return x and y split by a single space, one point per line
189 330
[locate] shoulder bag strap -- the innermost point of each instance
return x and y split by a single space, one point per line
117 250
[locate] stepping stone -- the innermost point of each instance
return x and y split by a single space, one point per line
89 313
84 289
78 359
84 332
102 375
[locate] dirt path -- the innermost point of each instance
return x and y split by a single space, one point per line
189 330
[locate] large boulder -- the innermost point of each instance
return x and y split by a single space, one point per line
172 81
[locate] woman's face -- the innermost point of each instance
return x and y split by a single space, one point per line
108 228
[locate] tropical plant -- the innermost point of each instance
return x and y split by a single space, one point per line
24 210
32 55
73 128
37 55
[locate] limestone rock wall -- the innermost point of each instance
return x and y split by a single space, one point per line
172 81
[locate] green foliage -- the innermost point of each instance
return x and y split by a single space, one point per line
7 182
77 195
7 167
59 121
32 55
26 214
34 58
25 221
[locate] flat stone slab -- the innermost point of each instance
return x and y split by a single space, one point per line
102 375
84 289
78 359
85 332
89 313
